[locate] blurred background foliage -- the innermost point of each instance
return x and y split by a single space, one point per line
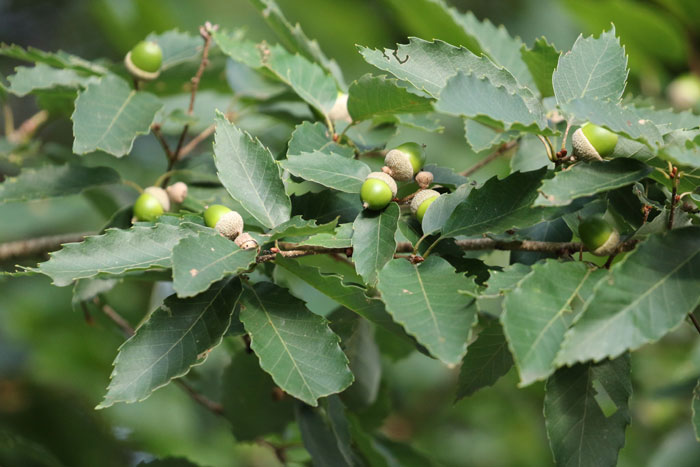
54 365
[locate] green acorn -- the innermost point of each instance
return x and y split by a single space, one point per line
227 222
377 191
404 161
593 143
152 203
144 60
599 236
421 202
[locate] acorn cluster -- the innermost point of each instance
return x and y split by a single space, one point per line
154 201
403 164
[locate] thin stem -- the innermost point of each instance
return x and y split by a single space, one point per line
9 119
163 179
194 142
548 147
155 128
28 127
674 196
133 185
566 135
37 246
695 321
502 149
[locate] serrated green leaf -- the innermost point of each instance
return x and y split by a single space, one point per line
645 296
595 68
481 137
239 49
499 205
109 115
331 170
307 79
580 433
373 241
441 209
541 60
311 137
431 64
669 121
339 238
250 174
686 154
201 260
490 301
52 181
58 59
177 336
623 120
116 252
350 296
294 38
487 359
298 227
326 435
177 47
424 298
41 76
500 46
247 397
365 364
480 99
588 179
538 311
379 96
294 346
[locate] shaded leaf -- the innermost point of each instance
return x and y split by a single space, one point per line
377 96
373 241
51 181
109 115
339 238
177 47
580 433
58 59
424 298
644 297
294 346
177 336
696 410
311 137
201 260
541 60
487 359
329 170
539 310
249 402
588 179
250 174
441 209
481 137
298 227
326 435
490 300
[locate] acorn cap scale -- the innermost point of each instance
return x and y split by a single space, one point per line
421 196
583 149
386 179
161 195
399 164
230 225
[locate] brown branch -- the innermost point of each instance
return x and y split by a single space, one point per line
204 31
37 246
674 195
490 158
129 331
194 142
28 127
694 321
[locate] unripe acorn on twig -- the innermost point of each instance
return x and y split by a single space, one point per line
598 235
424 179
227 222
404 161
144 60
421 202
377 191
152 203
593 143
